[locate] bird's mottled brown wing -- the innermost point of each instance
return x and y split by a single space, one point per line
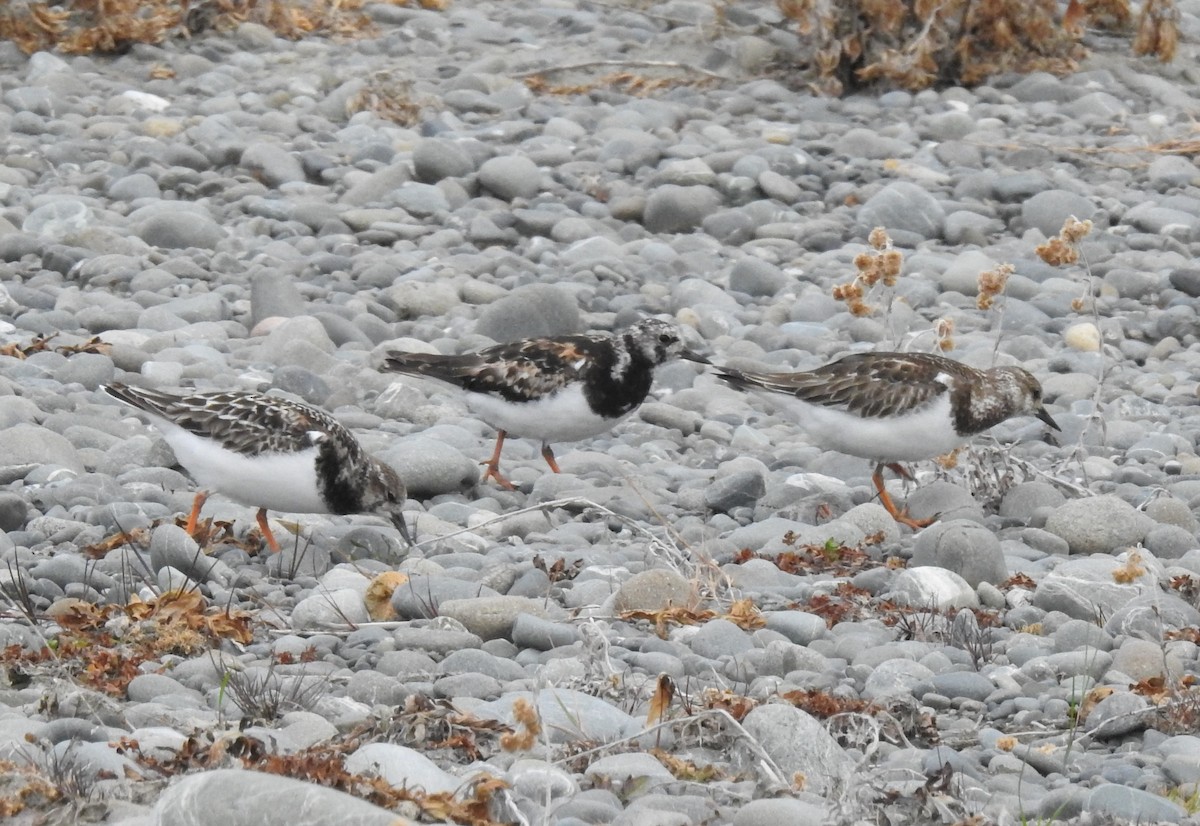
872 385
519 371
246 423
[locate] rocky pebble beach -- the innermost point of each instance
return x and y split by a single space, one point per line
240 211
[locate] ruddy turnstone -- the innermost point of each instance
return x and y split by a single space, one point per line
558 389
898 407
268 452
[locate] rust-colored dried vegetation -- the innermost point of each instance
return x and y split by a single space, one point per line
112 26
911 44
915 44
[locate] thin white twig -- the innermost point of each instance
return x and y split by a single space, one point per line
629 64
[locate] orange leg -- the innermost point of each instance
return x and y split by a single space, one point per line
493 465
266 530
194 517
548 455
899 515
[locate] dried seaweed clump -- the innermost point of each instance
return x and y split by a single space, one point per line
915 44
113 26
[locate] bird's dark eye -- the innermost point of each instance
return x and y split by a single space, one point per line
666 338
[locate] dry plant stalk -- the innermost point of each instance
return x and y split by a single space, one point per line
992 284
1063 249
881 266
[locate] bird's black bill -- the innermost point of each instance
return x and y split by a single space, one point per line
402 526
1047 418
691 355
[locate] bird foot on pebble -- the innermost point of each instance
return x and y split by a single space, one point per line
899 514
261 518
493 465
194 517
548 455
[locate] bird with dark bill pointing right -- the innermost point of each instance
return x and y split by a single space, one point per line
269 452
897 407
554 389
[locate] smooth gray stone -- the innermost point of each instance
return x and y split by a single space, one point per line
435 159
329 609
1144 613
274 293
1133 805
476 661
653 590
421 597
780 811
798 742
490 617
1186 280
376 189
969 684
272 164
534 632
1098 524
756 277
25 444
567 715
673 208
720 638
170 546
964 547
373 688
179 230
798 626
234 797
737 490
474 686
13 511
531 311
510 177
1022 499
429 466
146 688
1047 210
895 678
903 206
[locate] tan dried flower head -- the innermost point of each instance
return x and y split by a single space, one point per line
949 461
1057 252
992 282
1073 230
890 261
858 308
864 261
944 329
879 239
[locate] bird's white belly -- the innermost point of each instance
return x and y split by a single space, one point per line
277 481
563 417
920 435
